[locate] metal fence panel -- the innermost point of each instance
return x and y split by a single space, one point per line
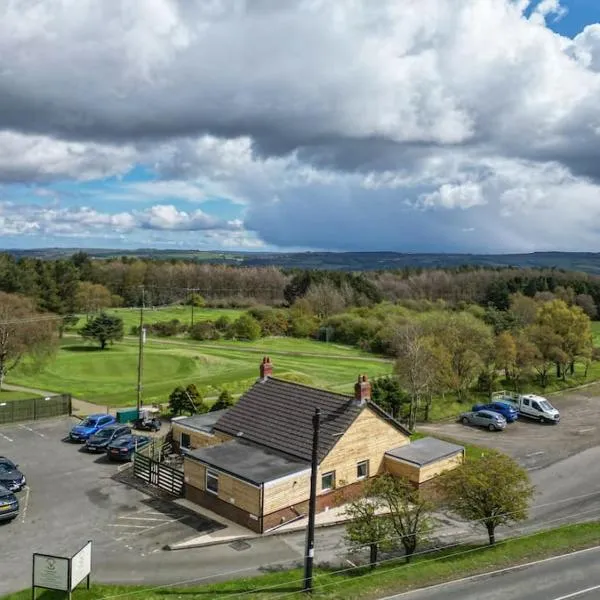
31 409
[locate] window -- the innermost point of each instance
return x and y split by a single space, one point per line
212 482
362 469
327 481
526 402
535 406
105 420
185 440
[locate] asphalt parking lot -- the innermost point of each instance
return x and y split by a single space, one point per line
72 497
535 445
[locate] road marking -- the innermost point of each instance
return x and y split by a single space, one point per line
123 467
579 593
493 574
130 526
26 502
147 529
6 437
32 430
145 519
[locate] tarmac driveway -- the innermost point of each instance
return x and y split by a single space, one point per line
73 497
535 445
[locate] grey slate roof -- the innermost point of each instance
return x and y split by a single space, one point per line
249 462
278 414
425 451
204 422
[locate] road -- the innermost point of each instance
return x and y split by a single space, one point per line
572 577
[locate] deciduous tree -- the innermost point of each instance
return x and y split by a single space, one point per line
23 332
368 525
492 490
407 509
415 365
92 297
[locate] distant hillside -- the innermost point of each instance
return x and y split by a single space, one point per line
588 262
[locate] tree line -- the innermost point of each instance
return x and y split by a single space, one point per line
56 285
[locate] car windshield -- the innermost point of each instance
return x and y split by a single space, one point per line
546 405
105 433
90 423
4 466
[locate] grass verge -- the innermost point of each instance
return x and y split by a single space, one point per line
8 396
353 584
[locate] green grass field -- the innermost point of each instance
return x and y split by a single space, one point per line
109 377
131 316
596 332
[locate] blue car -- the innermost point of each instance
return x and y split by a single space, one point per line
504 408
124 446
91 425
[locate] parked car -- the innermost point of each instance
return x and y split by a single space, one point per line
123 447
508 411
10 476
484 418
89 426
9 505
100 441
530 405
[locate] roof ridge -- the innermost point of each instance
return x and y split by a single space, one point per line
311 387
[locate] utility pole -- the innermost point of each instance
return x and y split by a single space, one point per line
140 356
312 506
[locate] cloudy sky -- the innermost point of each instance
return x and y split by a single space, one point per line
407 125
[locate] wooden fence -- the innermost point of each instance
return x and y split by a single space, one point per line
31 409
149 466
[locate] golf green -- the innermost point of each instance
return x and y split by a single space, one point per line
109 377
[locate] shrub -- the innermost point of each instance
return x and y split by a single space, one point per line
204 330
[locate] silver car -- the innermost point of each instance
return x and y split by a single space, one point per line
484 418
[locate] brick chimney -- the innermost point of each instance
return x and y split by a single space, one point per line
266 368
362 390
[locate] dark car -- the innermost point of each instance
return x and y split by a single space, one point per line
508 411
89 426
99 441
9 505
123 447
10 476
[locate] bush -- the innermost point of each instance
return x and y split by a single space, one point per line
165 328
272 321
225 400
204 330
245 327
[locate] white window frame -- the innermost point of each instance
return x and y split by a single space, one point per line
212 475
358 465
328 474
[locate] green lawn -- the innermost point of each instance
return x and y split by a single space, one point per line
131 316
359 583
6 396
109 377
596 332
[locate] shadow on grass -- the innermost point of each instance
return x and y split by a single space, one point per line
82 348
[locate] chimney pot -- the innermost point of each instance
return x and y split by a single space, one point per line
362 390
266 368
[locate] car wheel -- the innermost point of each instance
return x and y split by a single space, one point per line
542 420
491 427
465 421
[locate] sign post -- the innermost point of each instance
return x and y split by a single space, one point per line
62 573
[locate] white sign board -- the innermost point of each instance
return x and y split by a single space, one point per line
81 565
51 572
